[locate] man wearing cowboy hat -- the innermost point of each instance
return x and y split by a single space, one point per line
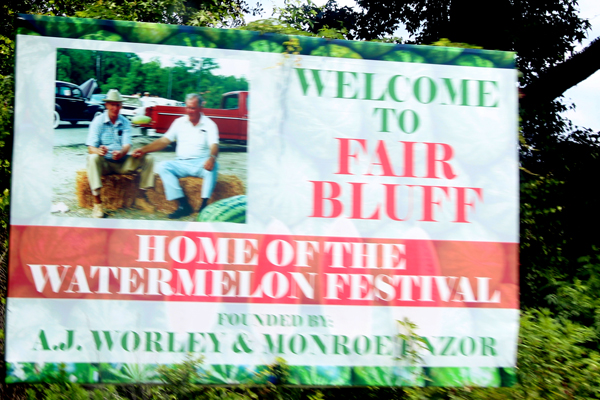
109 141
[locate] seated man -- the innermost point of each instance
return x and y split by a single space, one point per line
197 149
109 141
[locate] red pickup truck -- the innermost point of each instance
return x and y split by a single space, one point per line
231 118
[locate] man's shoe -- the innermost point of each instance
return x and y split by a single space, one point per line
204 203
98 212
182 211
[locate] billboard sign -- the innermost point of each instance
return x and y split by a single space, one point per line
370 184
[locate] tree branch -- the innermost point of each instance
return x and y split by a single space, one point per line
558 79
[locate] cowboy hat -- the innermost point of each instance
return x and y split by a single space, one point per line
113 95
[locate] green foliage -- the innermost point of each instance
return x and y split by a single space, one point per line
72 391
413 344
273 25
542 237
6 123
445 42
180 382
578 300
307 19
555 358
328 20
557 208
195 13
129 74
6 129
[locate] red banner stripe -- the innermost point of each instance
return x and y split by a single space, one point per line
128 264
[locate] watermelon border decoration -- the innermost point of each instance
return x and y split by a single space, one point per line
244 40
121 373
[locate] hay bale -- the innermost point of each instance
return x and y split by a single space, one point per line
227 186
120 191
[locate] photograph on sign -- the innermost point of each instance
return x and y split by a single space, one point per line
126 184
367 198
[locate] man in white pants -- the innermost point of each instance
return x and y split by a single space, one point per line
197 140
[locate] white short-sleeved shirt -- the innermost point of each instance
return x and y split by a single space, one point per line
193 141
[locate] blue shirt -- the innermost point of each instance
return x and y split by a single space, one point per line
114 136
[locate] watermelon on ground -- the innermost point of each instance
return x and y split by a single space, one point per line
231 209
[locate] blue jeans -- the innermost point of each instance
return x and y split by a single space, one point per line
171 171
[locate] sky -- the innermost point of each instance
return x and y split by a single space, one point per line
585 96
